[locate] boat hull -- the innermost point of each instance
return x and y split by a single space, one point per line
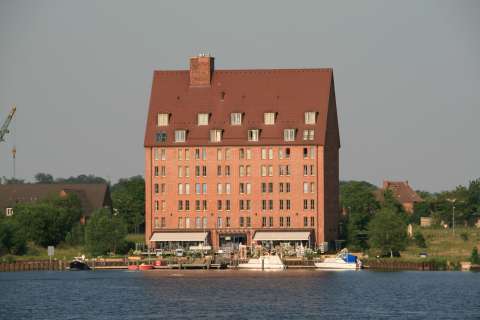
263 263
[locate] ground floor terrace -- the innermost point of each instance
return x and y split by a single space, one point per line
232 239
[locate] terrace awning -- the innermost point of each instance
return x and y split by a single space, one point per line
179 236
281 236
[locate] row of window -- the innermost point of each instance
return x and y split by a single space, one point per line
226 153
225 188
253 135
202 222
202 205
236 118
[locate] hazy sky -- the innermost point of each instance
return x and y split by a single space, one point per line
407 77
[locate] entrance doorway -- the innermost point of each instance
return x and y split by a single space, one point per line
230 242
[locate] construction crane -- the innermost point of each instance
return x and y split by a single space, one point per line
4 128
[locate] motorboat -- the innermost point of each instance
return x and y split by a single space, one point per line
145 267
343 261
266 262
78 264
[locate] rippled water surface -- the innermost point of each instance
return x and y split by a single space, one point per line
302 294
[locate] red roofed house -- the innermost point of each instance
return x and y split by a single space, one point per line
403 193
241 156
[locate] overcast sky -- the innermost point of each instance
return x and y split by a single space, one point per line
407 77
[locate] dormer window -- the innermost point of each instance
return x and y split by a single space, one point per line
269 118
253 134
310 117
308 134
162 119
202 119
289 134
180 135
161 136
236 119
216 135
9 212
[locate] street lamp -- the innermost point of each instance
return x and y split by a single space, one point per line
452 201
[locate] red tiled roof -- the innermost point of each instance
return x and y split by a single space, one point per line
287 92
401 191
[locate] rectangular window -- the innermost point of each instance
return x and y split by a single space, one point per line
180 188
187 205
240 204
280 187
156 224
312 221
312 204
280 204
305 170
156 205
312 152
204 188
236 119
264 187
202 119
248 205
156 171
219 188
305 221
305 153
241 221
270 187
219 222
204 202
197 154
187 188
242 188
227 205
312 170
198 222
197 205
288 221
289 134
179 154
241 154
249 154
161 136
162 223
264 204
228 154
270 153
263 170
219 171
312 187
280 153
248 171
308 134
253 135
306 186
219 154
156 153
269 118
288 204
281 221
180 222
204 153
156 187
227 188
227 222
248 188
305 204
270 171
197 171
187 171
270 204
180 205
227 171
187 154
163 154
264 221
270 221
204 171
241 170
180 171
162 119
180 135
205 222
163 171
288 186
164 205
264 153
219 204
310 117
287 153
249 222
198 188
215 135
163 188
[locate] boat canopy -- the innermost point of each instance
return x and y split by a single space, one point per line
281 236
179 236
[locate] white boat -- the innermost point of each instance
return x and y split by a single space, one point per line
343 261
272 262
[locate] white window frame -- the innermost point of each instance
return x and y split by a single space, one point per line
202 119
162 119
308 134
236 119
216 135
310 117
289 134
9 212
269 118
180 135
253 134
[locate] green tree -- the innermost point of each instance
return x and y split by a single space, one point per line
357 225
47 222
104 233
387 232
358 196
420 209
43 178
12 239
419 240
82 178
474 258
128 197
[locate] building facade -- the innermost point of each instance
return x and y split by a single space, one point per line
402 192
241 156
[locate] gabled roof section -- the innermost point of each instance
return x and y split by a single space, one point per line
401 191
287 92
92 196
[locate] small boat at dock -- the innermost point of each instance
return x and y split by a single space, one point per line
266 262
78 264
343 261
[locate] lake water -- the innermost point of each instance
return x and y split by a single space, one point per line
299 294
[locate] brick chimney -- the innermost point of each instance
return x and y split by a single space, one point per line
201 70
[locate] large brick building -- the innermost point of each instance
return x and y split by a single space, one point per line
241 156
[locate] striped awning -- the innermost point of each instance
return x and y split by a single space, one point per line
281 236
179 236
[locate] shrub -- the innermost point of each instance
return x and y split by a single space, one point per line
474 258
464 236
419 240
